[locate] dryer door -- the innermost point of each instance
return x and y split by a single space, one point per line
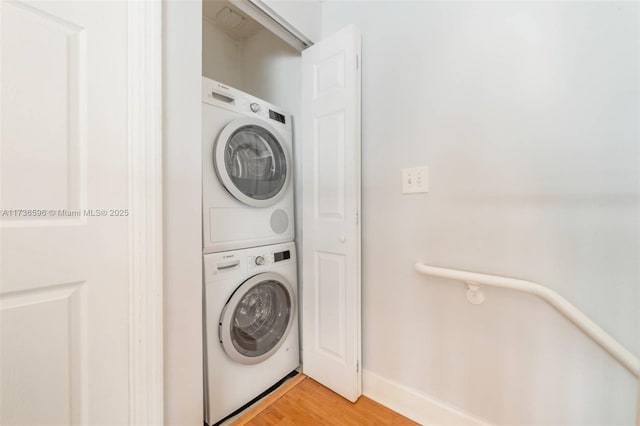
257 318
252 162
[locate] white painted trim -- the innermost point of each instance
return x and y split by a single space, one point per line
415 405
145 207
273 22
286 25
638 406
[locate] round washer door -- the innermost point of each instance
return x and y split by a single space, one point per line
252 162
257 318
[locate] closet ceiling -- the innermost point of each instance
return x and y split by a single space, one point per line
229 19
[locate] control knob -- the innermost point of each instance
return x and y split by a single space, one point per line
254 107
259 260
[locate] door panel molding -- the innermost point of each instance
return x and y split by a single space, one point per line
331 296
63 98
61 351
145 201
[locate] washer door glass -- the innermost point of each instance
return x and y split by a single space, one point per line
255 162
257 318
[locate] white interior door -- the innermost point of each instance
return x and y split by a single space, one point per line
331 349
65 213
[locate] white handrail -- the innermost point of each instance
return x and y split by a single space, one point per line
590 328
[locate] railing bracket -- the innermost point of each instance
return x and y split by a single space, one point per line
474 294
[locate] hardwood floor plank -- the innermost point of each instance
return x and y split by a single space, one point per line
310 403
267 401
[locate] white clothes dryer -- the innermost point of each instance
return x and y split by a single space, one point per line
247 170
250 325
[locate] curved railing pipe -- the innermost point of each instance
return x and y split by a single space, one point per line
590 328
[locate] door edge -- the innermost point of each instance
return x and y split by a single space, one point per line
144 93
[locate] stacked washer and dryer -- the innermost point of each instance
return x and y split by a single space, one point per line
250 280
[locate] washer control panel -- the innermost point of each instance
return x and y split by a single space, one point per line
237 264
279 256
258 261
266 259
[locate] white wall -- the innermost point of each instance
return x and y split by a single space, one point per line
182 213
221 56
526 114
271 70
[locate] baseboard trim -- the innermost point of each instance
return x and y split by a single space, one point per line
413 404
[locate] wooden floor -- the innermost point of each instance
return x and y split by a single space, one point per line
306 402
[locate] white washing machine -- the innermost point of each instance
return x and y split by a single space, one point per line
247 171
250 325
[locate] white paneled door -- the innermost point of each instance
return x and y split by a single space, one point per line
69 215
331 349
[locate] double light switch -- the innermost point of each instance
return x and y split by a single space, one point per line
415 180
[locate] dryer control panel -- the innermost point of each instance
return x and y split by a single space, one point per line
221 95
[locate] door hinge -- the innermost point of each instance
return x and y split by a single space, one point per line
357 366
357 61
357 217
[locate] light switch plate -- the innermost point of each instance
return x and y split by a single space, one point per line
415 180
